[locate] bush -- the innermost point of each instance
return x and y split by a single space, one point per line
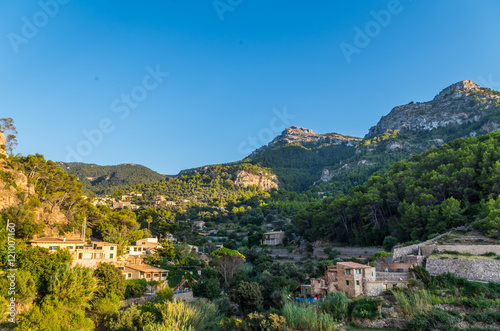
165 294
413 302
247 295
107 305
305 317
435 319
135 288
389 242
365 307
336 305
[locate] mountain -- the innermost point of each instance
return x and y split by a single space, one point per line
333 162
298 155
428 194
108 179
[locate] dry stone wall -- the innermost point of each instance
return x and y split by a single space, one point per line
475 269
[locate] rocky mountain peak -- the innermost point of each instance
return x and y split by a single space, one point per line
464 87
303 136
460 103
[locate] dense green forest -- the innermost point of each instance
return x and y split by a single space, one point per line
457 184
102 180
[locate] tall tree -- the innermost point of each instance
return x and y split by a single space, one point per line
227 262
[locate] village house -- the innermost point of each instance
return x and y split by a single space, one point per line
273 238
144 271
88 255
199 225
354 279
144 246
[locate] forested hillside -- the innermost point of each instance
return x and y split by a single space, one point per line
101 180
457 184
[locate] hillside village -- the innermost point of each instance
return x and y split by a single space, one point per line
245 243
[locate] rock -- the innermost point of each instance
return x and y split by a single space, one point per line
296 134
263 180
457 104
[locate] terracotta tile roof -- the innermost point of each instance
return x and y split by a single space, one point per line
353 265
57 240
145 268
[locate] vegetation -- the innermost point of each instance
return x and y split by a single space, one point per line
427 194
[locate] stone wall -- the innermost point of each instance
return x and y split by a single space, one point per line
392 276
472 249
137 301
356 251
476 269
398 251
186 296
373 288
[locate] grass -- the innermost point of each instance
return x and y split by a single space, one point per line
355 328
466 256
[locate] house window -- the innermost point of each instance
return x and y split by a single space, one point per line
164 274
357 282
80 256
347 282
79 247
148 275
111 255
357 271
129 275
112 248
70 247
348 272
53 248
98 255
140 249
372 273
156 275
135 249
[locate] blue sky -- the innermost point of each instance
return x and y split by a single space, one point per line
179 84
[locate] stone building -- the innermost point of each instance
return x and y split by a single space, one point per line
354 279
273 238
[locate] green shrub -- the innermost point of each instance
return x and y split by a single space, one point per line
411 302
432 320
165 294
305 317
335 304
365 307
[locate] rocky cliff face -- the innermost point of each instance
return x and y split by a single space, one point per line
460 103
263 180
306 137
13 183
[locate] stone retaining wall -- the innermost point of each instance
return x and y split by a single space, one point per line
186 296
399 251
475 269
137 301
392 276
472 249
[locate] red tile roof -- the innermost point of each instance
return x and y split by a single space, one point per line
57 240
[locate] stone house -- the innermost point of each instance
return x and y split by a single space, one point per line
354 279
199 225
273 238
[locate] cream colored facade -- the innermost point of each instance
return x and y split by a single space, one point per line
273 238
89 255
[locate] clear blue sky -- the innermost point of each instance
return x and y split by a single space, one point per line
71 68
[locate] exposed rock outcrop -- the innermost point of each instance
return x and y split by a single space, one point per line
296 134
462 102
263 180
